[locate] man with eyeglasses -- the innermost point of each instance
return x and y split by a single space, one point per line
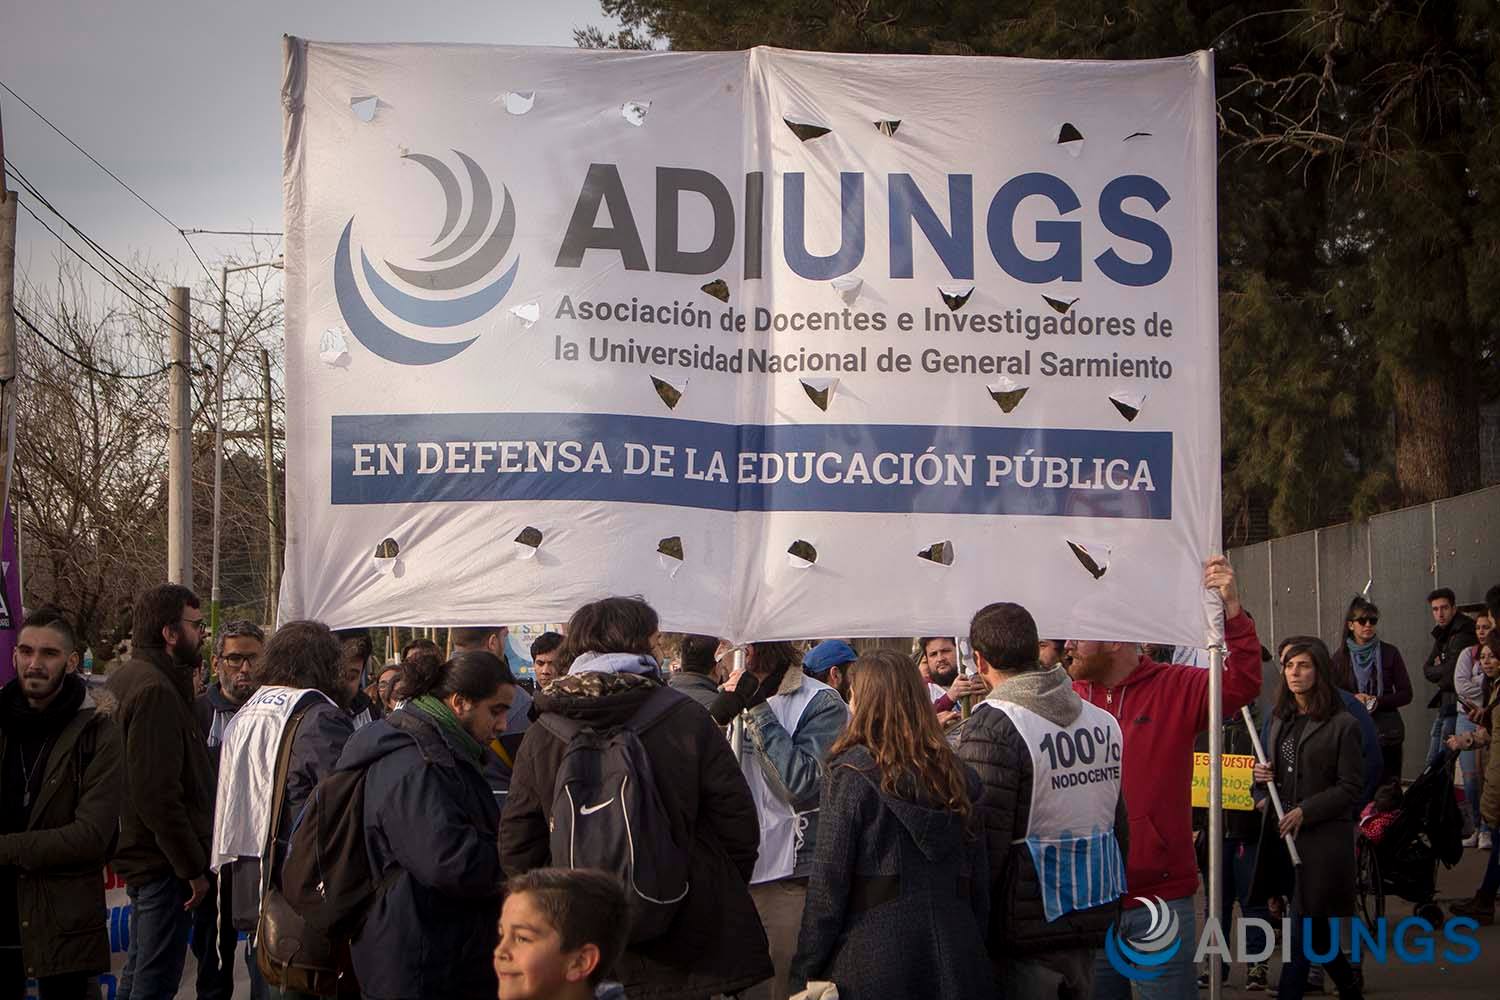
236 661
168 811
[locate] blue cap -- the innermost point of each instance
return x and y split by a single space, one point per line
829 654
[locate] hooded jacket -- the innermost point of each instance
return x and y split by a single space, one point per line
58 858
998 751
213 710
716 943
898 896
1161 709
430 828
168 813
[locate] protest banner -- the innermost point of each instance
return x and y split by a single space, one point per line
791 344
1238 779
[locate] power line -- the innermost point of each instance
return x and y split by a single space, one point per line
90 156
229 232
124 270
79 361
152 310
138 196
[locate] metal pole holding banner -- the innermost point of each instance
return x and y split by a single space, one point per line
737 730
1260 757
1215 808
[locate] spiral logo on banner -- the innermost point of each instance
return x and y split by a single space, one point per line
468 260
1141 958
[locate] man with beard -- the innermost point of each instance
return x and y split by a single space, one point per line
59 806
939 664
237 652
828 662
169 790
1161 708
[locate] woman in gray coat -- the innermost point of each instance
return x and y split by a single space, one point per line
1317 766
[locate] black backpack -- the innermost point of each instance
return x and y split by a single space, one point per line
607 813
326 875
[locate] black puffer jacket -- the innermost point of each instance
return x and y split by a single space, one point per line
995 749
716 943
1448 642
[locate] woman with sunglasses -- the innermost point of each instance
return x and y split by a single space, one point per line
1316 764
1373 671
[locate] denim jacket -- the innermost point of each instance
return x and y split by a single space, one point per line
795 764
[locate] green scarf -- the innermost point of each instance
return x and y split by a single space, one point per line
438 711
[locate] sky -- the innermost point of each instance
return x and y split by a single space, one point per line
180 98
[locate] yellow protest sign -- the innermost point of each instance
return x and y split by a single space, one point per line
1238 777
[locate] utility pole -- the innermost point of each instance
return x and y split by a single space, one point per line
8 202
273 520
179 444
222 363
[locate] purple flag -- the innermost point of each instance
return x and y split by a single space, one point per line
10 599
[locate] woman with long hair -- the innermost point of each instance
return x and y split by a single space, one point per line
1313 745
1373 671
431 822
1482 907
1473 715
897 827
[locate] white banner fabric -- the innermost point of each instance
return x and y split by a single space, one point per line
791 344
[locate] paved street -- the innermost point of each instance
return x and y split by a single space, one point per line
1479 979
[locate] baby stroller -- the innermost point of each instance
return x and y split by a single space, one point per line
1404 863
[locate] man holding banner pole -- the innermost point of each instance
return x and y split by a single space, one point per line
1161 709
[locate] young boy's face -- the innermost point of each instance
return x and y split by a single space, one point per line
529 959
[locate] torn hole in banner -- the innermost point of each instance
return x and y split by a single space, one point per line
669 393
333 348
955 297
801 554
634 112
888 126
1136 135
820 391
528 313
718 288
1007 393
364 107
669 554
527 542
804 128
1070 138
1128 403
387 556
1058 305
1092 556
848 287
517 103
940 553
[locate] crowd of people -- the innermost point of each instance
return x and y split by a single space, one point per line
768 821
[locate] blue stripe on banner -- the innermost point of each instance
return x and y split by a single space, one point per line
882 468
1077 873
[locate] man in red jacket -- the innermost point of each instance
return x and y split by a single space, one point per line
1161 708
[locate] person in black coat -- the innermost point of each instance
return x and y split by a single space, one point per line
716 943
430 826
898 837
1317 767
1045 927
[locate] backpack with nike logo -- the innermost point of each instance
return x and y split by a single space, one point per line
607 813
